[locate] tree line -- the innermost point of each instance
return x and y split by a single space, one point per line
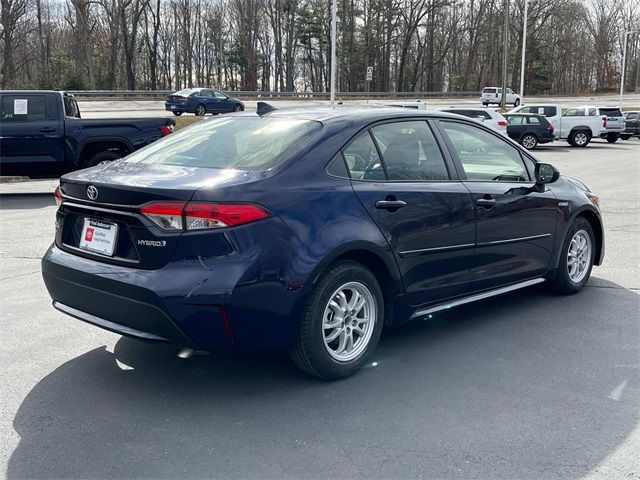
573 46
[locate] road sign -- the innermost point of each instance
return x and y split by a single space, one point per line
369 74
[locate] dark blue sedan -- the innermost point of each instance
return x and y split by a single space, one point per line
201 101
308 231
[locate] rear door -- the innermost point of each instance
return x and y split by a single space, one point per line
31 134
411 191
516 224
516 126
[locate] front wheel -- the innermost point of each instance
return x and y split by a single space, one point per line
576 259
102 158
517 102
237 108
612 137
529 141
341 322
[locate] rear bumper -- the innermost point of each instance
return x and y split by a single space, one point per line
182 303
178 107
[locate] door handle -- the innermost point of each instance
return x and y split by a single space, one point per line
486 202
47 130
390 204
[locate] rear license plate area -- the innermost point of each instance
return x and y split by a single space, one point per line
98 236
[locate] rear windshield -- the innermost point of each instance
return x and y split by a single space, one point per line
186 92
238 143
611 112
488 90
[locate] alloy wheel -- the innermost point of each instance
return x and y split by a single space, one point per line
529 142
579 256
348 321
580 138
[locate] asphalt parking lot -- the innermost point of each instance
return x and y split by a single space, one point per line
524 386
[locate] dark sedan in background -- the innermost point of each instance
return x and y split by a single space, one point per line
529 129
201 101
308 231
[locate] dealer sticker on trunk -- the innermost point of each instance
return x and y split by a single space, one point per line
98 236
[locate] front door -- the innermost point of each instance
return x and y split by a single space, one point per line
410 190
30 134
516 223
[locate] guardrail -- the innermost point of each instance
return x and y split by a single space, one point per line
258 94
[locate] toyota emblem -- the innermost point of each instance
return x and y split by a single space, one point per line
92 192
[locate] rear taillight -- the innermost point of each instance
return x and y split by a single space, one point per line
166 130
201 215
502 123
604 121
550 127
58 196
166 99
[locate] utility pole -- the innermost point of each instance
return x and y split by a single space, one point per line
624 65
334 19
524 47
505 48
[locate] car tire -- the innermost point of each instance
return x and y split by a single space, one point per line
177 114
625 137
579 138
316 352
237 108
570 277
200 110
529 141
516 103
102 158
612 137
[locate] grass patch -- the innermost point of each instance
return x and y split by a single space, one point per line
183 121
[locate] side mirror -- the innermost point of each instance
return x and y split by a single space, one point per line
546 173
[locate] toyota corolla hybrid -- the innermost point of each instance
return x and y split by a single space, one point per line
308 231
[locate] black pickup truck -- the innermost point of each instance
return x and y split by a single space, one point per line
632 125
42 134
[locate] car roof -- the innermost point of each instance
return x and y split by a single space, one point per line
356 114
30 91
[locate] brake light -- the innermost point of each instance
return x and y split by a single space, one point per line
201 215
550 127
502 123
57 193
604 121
166 130
166 99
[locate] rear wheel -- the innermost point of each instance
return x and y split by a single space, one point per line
579 138
200 110
576 259
341 323
529 141
517 102
612 137
625 137
177 114
102 158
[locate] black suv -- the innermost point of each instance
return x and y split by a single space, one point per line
529 129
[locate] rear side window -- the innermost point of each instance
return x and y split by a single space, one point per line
362 159
70 106
488 90
533 120
611 112
410 152
24 108
632 116
485 157
241 143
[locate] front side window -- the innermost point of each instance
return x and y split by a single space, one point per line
574 112
515 120
24 108
240 143
632 116
219 95
485 157
410 152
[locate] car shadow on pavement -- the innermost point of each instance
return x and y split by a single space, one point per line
527 385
